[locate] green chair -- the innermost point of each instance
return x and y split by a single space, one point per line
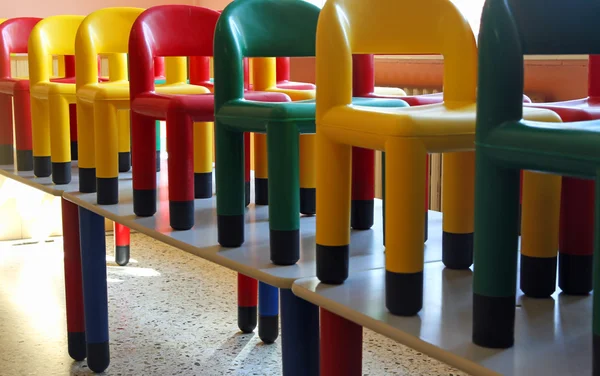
505 144
263 28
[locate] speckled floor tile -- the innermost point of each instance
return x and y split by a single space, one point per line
171 313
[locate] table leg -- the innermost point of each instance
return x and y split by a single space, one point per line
299 335
341 346
268 312
95 298
73 288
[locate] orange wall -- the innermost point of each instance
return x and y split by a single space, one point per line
44 8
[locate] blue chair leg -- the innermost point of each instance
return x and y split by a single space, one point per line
95 298
299 335
268 312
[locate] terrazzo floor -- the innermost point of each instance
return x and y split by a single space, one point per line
171 313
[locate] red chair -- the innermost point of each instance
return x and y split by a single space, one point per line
14 35
576 234
170 30
283 76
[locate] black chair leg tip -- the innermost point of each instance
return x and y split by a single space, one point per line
98 358
268 329
333 263
247 319
362 214
538 276
575 274
261 191
457 250
247 193
122 254
493 321
285 246
230 230
308 201
404 293
77 345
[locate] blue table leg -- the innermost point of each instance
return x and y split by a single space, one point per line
299 335
95 298
268 312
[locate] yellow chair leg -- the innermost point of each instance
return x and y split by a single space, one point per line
334 172
124 132
40 137
106 139
539 233
405 177
458 206
308 180
203 156
60 139
87 148
261 167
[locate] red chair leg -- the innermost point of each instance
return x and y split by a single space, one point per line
341 346
122 244
363 188
247 303
6 130
22 109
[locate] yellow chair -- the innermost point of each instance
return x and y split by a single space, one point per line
50 99
405 134
264 78
103 107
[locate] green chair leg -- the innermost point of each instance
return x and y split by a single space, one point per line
230 185
284 197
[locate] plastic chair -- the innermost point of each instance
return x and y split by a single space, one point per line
506 144
50 98
152 35
242 32
406 135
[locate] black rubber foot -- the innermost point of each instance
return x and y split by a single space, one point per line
144 202
203 184
24 160
575 274
108 191
74 151
157 160
268 328
457 250
124 161
98 356
426 226
6 154
494 321
261 191
538 276
122 253
285 246
42 167
181 214
308 201
333 263
61 172
247 319
403 293
247 192
87 180
596 356
362 214
77 345
230 230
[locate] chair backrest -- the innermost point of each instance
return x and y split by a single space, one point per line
348 27
170 31
14 34
104 32
259 28
53 35
513 28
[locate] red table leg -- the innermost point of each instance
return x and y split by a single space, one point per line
341 346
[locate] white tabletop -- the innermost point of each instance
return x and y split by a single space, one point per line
553 336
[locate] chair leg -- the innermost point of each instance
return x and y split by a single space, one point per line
299 335
73 284
144 171
203 146
181 175
333 205
284 187
405 177
539 233
261 170
596 309
363 188
124 132
308 181
73 131
6 129
60 139
158 144
95 298
87 148
106 139
495 251
247 294
230 186
247 147
268 312
122 244
40 138
576 236
341 346
458 207
22 112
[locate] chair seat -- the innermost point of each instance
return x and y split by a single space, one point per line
11 85
252 116
295 85
573 110
63 87
119 91
294 93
